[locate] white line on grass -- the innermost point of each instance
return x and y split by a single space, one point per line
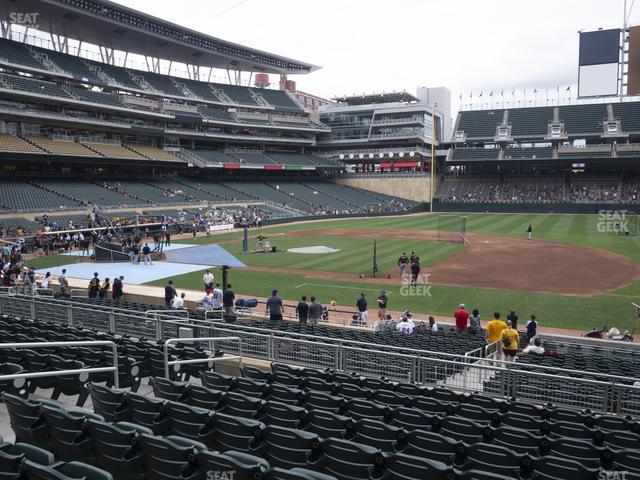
338 286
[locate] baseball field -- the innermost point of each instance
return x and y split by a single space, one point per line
575 273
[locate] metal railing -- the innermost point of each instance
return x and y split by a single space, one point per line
78 371
470 373
209 360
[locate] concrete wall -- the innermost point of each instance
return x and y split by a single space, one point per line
411 188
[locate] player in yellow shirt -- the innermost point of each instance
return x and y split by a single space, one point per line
510 342
494 328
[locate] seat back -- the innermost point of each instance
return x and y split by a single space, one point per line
167 458
115 447
290 448
109 403
345 459
66 433
148 412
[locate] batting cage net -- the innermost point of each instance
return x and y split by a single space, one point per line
631 226
452 229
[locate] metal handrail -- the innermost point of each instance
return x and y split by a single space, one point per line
244 329
78 371
211 359
171 314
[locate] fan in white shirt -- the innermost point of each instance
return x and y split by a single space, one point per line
405 325
536 348
178 302
207 279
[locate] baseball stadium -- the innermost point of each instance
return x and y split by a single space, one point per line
210 274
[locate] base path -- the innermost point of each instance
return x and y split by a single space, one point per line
510 263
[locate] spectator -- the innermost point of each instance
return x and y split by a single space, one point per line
495 328
63 282
315 312
510 342
178 302
513 318
136 255
536 348
207 279
433 326
207 301
94 286
532 328
462 317
274 306
406 324
169 293
46 281
216 298
104 289
30 281
474 322
146 252
362 308
118 288
302 310
382 305
228 297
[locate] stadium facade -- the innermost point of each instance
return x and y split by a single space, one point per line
381 132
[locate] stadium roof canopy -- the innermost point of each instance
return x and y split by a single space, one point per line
107 24
369 98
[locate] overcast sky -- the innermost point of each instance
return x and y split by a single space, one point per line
385 45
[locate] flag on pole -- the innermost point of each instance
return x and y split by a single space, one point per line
480 94
568 89
461 97
502 93
375 263
535 90
491 94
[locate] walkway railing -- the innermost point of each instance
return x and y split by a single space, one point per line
468 373
209 360
78 371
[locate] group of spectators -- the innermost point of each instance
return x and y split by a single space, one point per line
390 206
596 192
96 288
497 330
539 189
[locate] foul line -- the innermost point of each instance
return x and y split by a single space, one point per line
339 286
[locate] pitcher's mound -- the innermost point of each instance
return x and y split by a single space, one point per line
314 249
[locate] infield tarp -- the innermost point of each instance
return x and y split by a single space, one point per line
213 255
